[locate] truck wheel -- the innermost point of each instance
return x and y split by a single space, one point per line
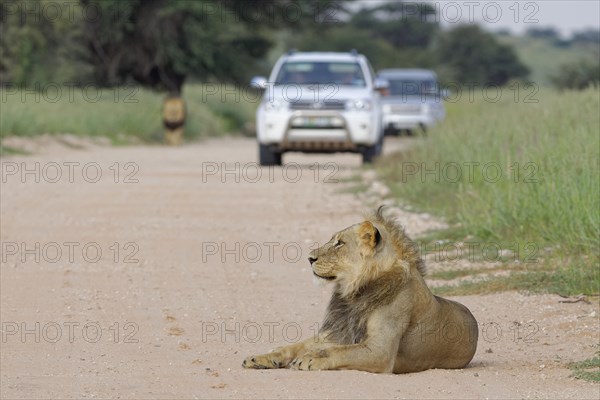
390 131
267 156
379 146
369 153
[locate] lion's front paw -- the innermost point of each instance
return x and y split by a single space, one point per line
311 361
263 361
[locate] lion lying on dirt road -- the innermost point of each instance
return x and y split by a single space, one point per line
382 317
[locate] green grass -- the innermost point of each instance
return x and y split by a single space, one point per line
9 151
588 370
574 279
235 106
448 275
123 113
548 156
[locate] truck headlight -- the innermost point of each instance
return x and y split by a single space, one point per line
359 105
275 105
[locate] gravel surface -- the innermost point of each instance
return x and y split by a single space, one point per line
203 263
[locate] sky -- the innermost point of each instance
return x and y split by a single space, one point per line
565 16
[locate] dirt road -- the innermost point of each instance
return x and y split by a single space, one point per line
151 272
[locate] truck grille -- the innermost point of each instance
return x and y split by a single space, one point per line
320 105
405 108
318 146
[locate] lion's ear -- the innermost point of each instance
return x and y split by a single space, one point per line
369 235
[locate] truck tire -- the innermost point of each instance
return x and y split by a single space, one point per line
369 153
267 156
391 131
379 146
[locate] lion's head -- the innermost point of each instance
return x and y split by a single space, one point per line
363 252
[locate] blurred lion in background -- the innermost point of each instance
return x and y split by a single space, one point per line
173 114
382 317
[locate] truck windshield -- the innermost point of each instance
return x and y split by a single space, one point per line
413 87
321 73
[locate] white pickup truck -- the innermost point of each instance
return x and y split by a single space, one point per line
319 102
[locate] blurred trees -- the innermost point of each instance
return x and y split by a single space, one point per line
163 43
475 56
400 24
542 33
395 34
583 66
577 75
157 43
408 35
33 47
581 72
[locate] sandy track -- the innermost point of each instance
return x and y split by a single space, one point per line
179 305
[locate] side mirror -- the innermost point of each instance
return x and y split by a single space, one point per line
382 86
258 82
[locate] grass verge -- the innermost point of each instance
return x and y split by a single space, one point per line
570 280
9 151
124 113
588 370
511 171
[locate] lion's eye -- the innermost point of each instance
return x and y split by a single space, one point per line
338 244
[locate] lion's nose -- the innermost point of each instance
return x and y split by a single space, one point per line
311 260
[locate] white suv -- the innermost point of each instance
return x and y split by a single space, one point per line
319 102
415 100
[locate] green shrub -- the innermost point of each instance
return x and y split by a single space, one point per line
578 75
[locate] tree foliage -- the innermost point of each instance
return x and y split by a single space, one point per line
34 47
162 43
402 24
157 43
577 75
407 35
472 55
395 34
